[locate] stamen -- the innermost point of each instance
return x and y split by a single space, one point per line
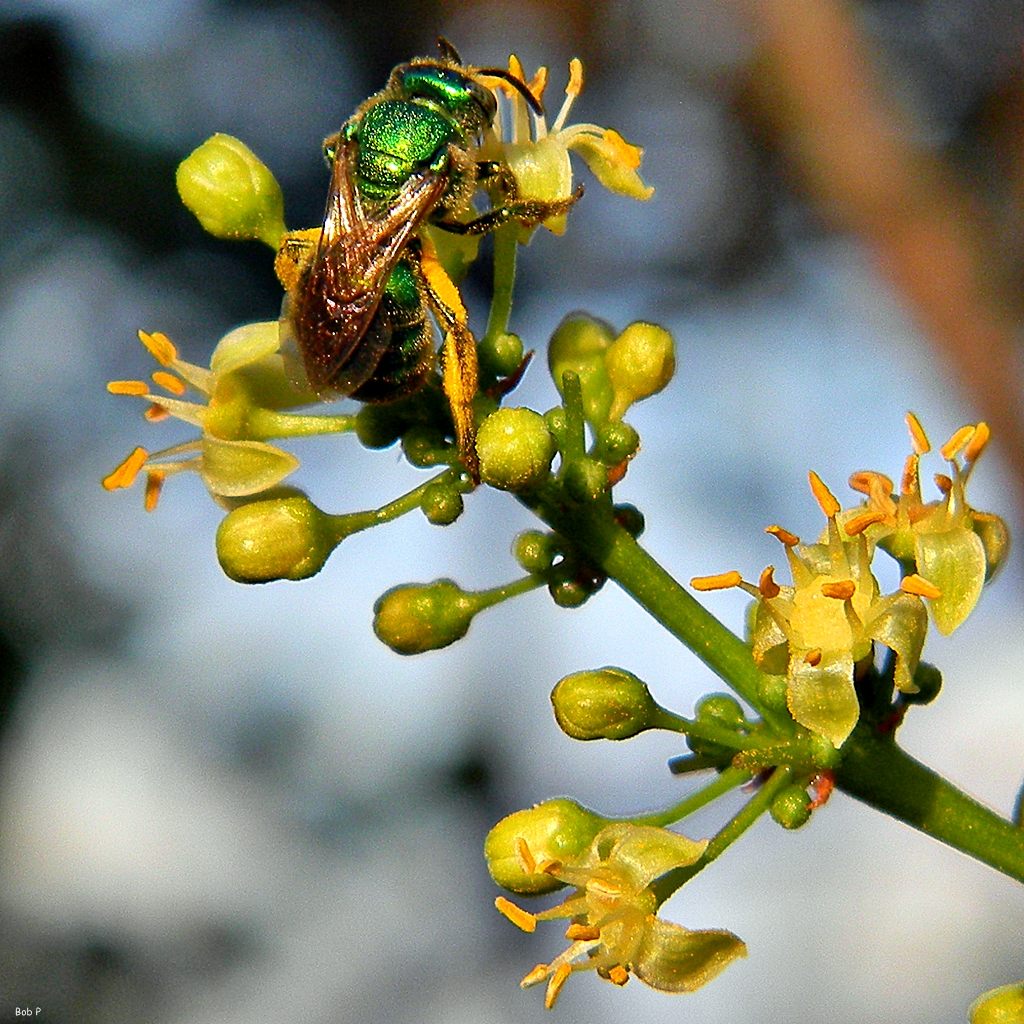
824 497
520 918
859 523
618 975
789 539
918 438
961 438
977 443
169 382
159 346
558 979
572 90
538 84
526 861
943 482
156 413
582 932
515 68
918 585
867 481
538 974
127 471
910 482
813 658
767 585
128 387
154 485
548 867
723 581
842 590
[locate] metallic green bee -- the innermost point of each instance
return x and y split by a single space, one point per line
359 289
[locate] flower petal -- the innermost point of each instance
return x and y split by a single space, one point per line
673 959
821 697
954 561
613 161
646 852
234 469
901 625
244 345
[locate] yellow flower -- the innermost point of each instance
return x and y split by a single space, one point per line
816 631
240 396
538 155
955 547
614 929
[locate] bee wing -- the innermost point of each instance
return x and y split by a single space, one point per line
332 315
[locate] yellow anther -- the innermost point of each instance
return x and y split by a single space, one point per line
539 973
159 346
813 658
943 482
155 413
575 86
128 387
857 524
169 382
548 867
869 482
918 438
723 581
558 979
538 84
961 439
519 917
918 585
618 975
526 861
582 933
154 484
910 482
767 585
789 539
824 497
841 590
977 443
515 68
127 471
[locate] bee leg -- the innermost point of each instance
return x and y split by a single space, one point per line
458 355
528 212
296 250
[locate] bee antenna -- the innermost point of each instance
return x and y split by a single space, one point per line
448 52
507 76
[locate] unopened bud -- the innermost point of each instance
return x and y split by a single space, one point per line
999 1006
231 191
556 830
607 703
275 539
579 344
791 807
418 617
640 362
515 449
995 539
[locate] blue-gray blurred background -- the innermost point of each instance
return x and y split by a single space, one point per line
230 805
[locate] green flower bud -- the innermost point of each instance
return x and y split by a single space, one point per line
556 830
772 691
616 442
721 709
608 703
378 426
630 518
639 363
586 479
928 680
535 551
579 344
418 617
557 422
791 807
995 540
502 355
515 449
442 504
275 539
231 191
999 1006
568 592
424 447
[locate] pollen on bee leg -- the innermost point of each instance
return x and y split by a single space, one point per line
919 586
977 443
784 536
813 658
918 438
766 583
520 918
859 523
721 581
128 387
124 475
169 382
159 346
154 485
841 590
558 979
824 497
959 440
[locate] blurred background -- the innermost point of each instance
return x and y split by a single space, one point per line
229 804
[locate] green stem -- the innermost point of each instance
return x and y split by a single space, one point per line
352 522
726 781
594 531
488 598
265 424
505 245
885 777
